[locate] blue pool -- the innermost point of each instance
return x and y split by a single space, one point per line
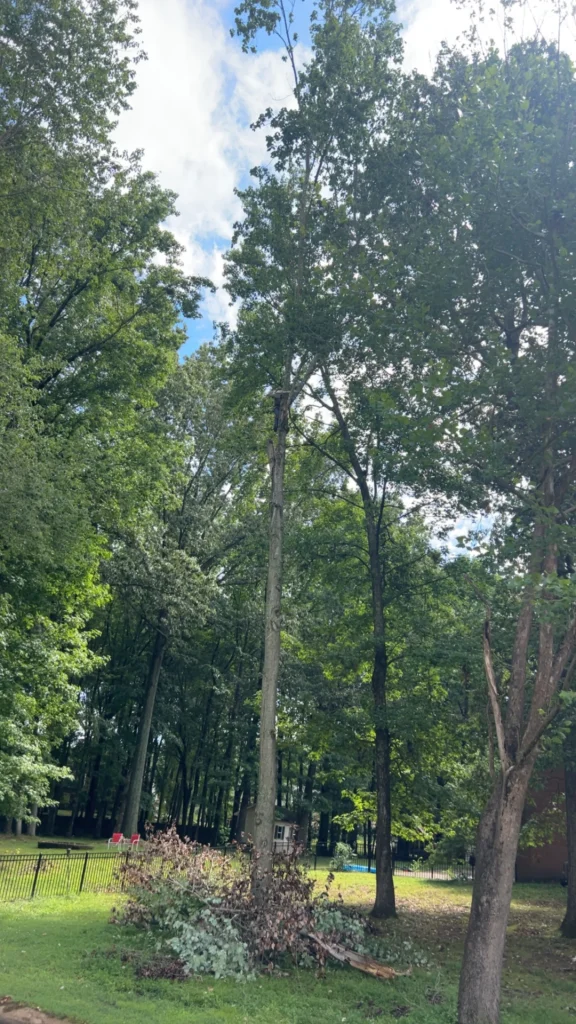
359 867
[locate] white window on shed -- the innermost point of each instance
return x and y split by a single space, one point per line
279 832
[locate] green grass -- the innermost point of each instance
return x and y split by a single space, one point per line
55 954
29 844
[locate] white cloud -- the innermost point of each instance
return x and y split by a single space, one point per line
197 95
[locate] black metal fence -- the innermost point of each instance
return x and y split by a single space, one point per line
23 876
461 872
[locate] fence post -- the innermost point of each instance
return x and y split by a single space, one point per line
123 873
83 875
34 883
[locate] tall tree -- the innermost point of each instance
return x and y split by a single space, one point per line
276 266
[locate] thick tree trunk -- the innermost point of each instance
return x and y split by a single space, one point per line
496 849
132 811
18 826
264 816
568 926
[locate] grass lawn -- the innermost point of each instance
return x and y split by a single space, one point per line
29 844
55 953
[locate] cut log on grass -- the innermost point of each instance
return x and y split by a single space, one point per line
367 964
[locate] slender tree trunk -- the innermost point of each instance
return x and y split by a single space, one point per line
323 833
31 829
264 816
18 826
93 787
568 926
132 811
385 901
240 826
305 816
100 820
194 796
496 849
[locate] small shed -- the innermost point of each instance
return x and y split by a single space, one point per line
285 829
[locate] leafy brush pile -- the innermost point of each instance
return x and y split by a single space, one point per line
198 904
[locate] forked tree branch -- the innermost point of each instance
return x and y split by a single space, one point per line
493 694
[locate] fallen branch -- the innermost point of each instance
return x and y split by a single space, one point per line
367 964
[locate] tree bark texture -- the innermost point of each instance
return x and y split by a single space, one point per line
132 810
496 847
568 926
265 804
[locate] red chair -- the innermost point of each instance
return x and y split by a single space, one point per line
117 840
135 839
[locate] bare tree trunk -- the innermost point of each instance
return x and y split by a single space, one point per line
237 828
132 811
264 816
18 826
496 848
568 926
31 829
305 815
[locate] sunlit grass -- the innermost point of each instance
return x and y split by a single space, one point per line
55 954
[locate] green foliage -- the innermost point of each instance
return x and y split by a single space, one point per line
343 854
209 944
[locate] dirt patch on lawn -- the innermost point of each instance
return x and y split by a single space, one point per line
16 1013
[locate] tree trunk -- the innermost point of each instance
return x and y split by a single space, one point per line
385 901
18 827
264 816
568 926
240 826
99 824
496 849
323 833
305 815
31 828
132 811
